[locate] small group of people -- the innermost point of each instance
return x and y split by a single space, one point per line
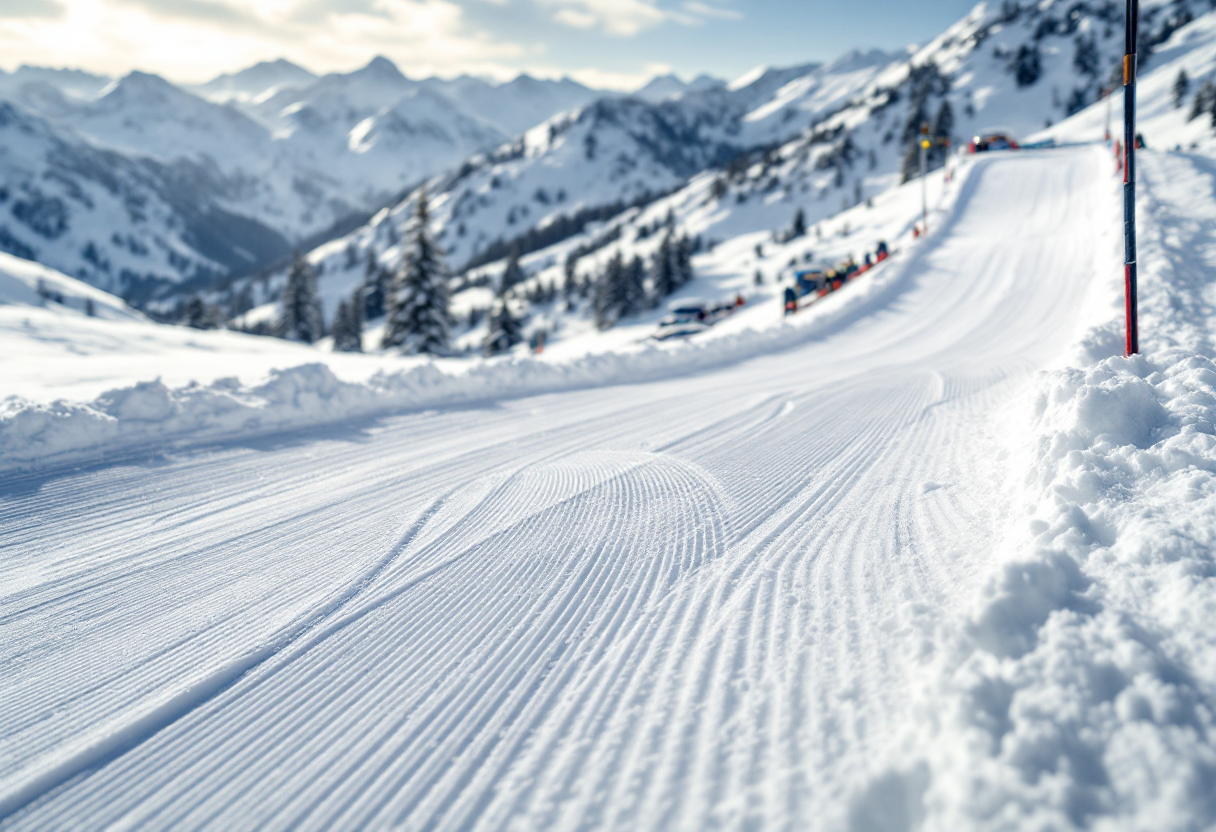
819 282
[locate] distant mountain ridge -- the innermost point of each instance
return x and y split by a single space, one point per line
275 150
747 157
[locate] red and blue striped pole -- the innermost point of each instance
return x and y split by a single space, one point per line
1129 177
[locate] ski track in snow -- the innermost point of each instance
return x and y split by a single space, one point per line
688 604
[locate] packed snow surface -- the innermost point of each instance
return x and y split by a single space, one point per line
787 588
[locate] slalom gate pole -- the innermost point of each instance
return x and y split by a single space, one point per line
1129 177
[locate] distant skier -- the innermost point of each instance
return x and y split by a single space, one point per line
791 300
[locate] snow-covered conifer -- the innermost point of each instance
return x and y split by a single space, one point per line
633 288
1027 65
503 329
375 288
347 330
799 228
512 275
570 277
301 304
1203 100
1181 85
418 317
663 277
608 293
196 316
683 255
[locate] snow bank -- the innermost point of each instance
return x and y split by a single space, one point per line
150 414
1080 692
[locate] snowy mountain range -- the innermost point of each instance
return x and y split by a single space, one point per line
218 180
727 160
225 177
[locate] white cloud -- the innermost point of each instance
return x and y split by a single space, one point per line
704 10
193 40
624 18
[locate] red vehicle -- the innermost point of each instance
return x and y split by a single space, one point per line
993 140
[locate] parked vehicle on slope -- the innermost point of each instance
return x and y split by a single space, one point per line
684 312
993 139
689 317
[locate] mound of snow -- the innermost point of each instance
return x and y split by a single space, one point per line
1081 691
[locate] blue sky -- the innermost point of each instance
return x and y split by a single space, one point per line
614 43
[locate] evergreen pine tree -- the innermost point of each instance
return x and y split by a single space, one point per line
513 275
1203 100
1027 65
418 317
375 288
348 325
570 277
196 314
633 287
301 319
663 277
503 329
608 292
683 255
1181 85
339 330
799 229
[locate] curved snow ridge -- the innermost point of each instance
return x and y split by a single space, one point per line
1081 692
150 414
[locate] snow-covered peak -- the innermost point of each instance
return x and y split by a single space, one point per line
661 88
339 99
517 105
72 83
147 115
420 118
859 59
381 71
667 87
825 88
256 82
140 89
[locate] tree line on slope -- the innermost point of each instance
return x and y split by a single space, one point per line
415 298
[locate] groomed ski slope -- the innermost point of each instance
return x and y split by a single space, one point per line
690 604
